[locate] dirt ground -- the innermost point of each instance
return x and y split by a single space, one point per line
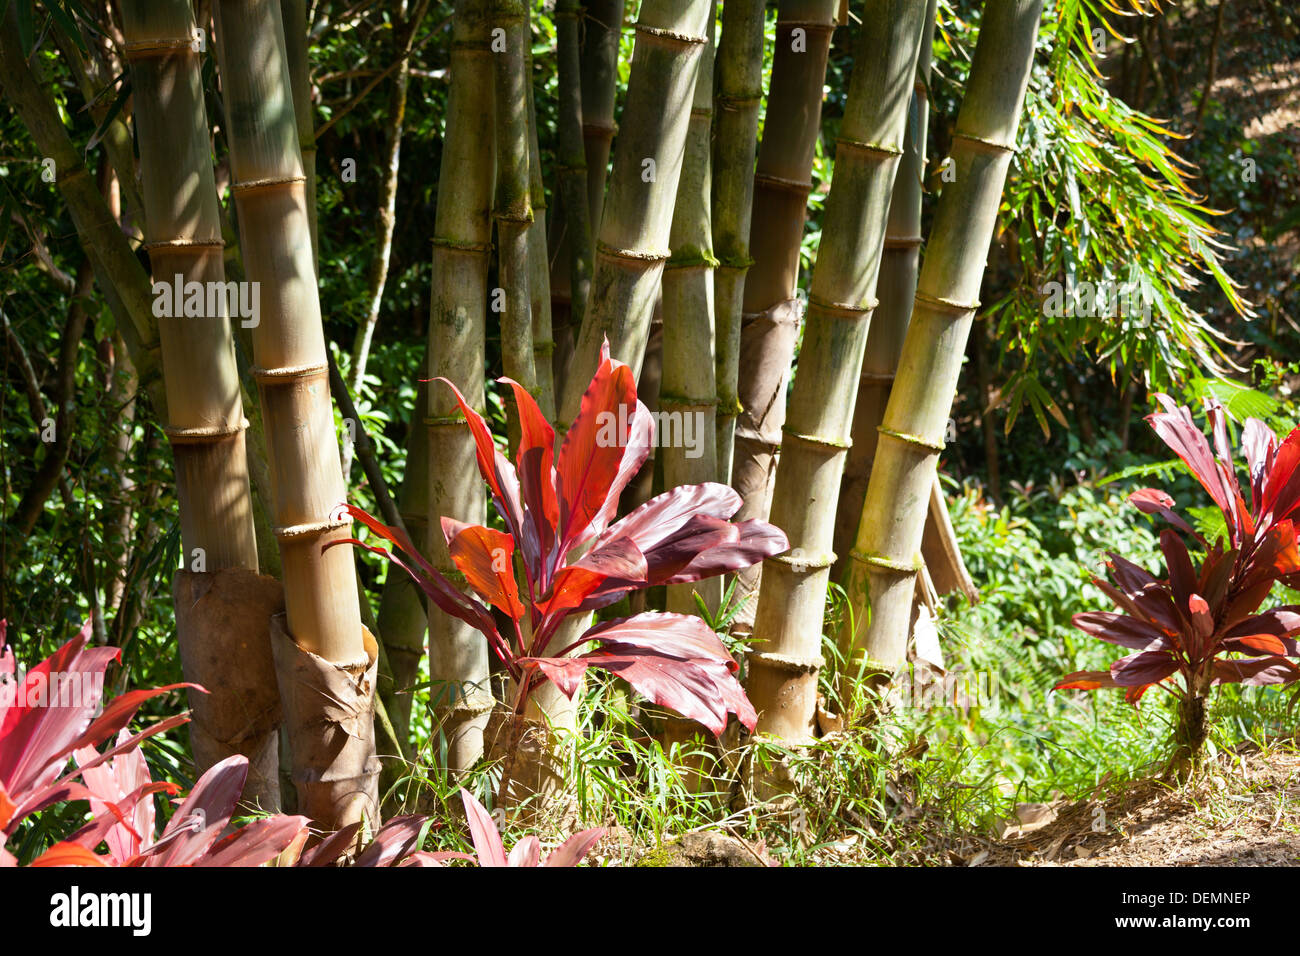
1243 810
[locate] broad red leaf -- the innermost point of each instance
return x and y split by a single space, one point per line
487 841
256 843
575 848
486 558
396 840
1119 629
1148 667
198 822
535 460
1258 672
69 854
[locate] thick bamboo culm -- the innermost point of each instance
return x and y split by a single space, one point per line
787 628
602 29
183 235
294 16
458 663
539 267
323 615
899 264
688 391
570 269
769 323
513 210
634 226
885 556
736 103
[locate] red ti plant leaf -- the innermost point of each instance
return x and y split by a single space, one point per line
486 558
681 536
526 853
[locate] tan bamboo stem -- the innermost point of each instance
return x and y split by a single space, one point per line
320 643
899 264
633 236
688 391
893 518
787 627
771 313
458 664
736 103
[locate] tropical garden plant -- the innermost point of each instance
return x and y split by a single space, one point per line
1200 626
572 560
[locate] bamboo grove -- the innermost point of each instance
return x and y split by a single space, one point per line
619 204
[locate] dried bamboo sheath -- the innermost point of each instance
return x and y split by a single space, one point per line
787 627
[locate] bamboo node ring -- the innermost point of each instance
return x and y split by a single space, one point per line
786 662
902 242
844 309
875 149
907 439
185 244
819 441
949 305
289 372
780 182
671 36
255 184
139 49
632 255
309 528
204 434
986 145
880 378
882 562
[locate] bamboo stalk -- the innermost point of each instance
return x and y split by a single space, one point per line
570 270
602 28
770 312
688 391
458 664
634 227
783 667
512 204
893 518
736 104
539 267
321 648
899 264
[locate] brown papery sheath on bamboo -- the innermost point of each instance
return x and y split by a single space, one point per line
885 558
323 619
458 663
232 658
788 626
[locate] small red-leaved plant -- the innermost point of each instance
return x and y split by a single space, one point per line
558 517
1198 627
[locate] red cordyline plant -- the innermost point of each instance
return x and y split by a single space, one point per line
572 559
48 717
1200 626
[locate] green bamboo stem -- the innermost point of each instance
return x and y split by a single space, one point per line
736 103
770 312
570 273
539 267
458 664
634 227
293 14
783 667
899 264
688 391
885 557
513 209
602 29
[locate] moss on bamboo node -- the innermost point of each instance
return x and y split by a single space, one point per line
729 406
458 245
444 421
735 262
915 440
691 257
